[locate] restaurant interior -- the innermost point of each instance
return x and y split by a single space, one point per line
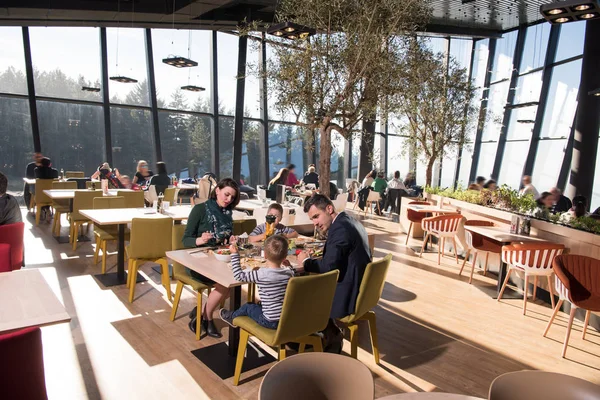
285 199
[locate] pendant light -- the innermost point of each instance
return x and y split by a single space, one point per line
179 61
122 78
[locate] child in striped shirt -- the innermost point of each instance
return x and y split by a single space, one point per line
272 281
276 210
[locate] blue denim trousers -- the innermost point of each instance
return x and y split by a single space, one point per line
254 311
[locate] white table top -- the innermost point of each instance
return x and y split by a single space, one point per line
501 234
429 396
432 209
187 186
251 205
27 300
113 216
63 194
29 181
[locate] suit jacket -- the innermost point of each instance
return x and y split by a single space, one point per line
347 250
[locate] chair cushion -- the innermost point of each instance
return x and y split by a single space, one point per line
266 335
188 280
61 208
110 233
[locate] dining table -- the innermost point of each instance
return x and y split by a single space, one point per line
254 204
28 300
501 236
432 209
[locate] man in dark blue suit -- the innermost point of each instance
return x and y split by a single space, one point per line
347 250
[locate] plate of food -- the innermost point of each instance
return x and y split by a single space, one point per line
222 255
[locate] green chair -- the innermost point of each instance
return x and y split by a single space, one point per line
183 278
243 226
171 195
61 206
306 308
107 233
132 199
369 293
150 239
41 200
83 200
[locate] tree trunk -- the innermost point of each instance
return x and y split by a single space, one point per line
324 160
429 172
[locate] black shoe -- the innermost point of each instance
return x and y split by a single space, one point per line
192 313
212 330
227 317
203 325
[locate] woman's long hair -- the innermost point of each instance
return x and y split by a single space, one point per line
281 177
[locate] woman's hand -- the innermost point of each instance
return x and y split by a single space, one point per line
202 240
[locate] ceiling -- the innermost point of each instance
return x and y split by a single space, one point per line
477 18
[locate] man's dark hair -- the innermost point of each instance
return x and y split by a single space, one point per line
276 206
276 248
3 183
161 168
397 175
480 180
318 200
46 162
227 182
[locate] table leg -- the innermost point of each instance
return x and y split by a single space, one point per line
118 278
234 334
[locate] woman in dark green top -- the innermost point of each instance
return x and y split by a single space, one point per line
211 224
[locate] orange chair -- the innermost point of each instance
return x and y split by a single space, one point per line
579 283
531 258
477 243
414 216
443 227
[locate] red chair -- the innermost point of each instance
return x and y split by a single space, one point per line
5 257
12 234
414 217
22 365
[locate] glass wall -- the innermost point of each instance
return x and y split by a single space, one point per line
12 61
132 139
16 141
227 57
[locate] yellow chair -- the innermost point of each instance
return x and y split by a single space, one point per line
61 206
83 200
306 308
171 195
132 199
74 174
183 278
107 233
150 239
41 200
368 297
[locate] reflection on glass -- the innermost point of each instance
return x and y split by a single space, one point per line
503 57
460 50
132 139
570 40
536 43
465 166
513 161
495 110
12 62
16 140
72 135
521 130
487 156
528 88
550 154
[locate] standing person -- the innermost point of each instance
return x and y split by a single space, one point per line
272 281
30 174
379 185
291 179
347 250
561 203
161 180
111 174
210 223
142 174
311 177
279 179
45 170
528 188
10 212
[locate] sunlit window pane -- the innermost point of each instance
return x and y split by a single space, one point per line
16 141
503 56
513 161
227 60
132 139
547 166
536 43
252 153
570 40
12 62
487 156
226 147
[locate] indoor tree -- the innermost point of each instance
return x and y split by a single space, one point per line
435 108
335 79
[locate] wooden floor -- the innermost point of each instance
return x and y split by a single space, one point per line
436 332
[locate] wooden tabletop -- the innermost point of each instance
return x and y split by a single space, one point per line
429 396
501 234
27 300
432 209
65 194
206 265
29 181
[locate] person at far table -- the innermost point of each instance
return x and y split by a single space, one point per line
210 224
490 185
45 170
333 191
528 188
347 250
30 174
561 203
142 174
291 179
578 210
480 180
379 185
311 177
279 179
259 233
544 204
272 281
161 180
10 212
111 174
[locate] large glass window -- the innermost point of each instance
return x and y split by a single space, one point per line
65 60
186 143
252 85
227 58
12 62
132 139
570 40
596 188
287 145
520 124
548 162
487 156
465 166
274 112
72 135
460 50
127 57
503 56
536 43
448 169
482 52
562 100
226 125
194 45
495 111
528 88
513 161
16 141
253 154
398 159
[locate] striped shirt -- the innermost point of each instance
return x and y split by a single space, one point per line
271 282
280 229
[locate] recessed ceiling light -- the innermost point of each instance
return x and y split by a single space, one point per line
582 7
556 11
561 20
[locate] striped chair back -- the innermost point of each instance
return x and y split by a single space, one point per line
442 224
532 256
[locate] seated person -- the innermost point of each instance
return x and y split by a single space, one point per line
272 281
311 177
112 175
379 185
161 180
279 179
333 191
45 170
544 204
579 209
142 174
258 233
561 203
291 179
10 212
490 185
